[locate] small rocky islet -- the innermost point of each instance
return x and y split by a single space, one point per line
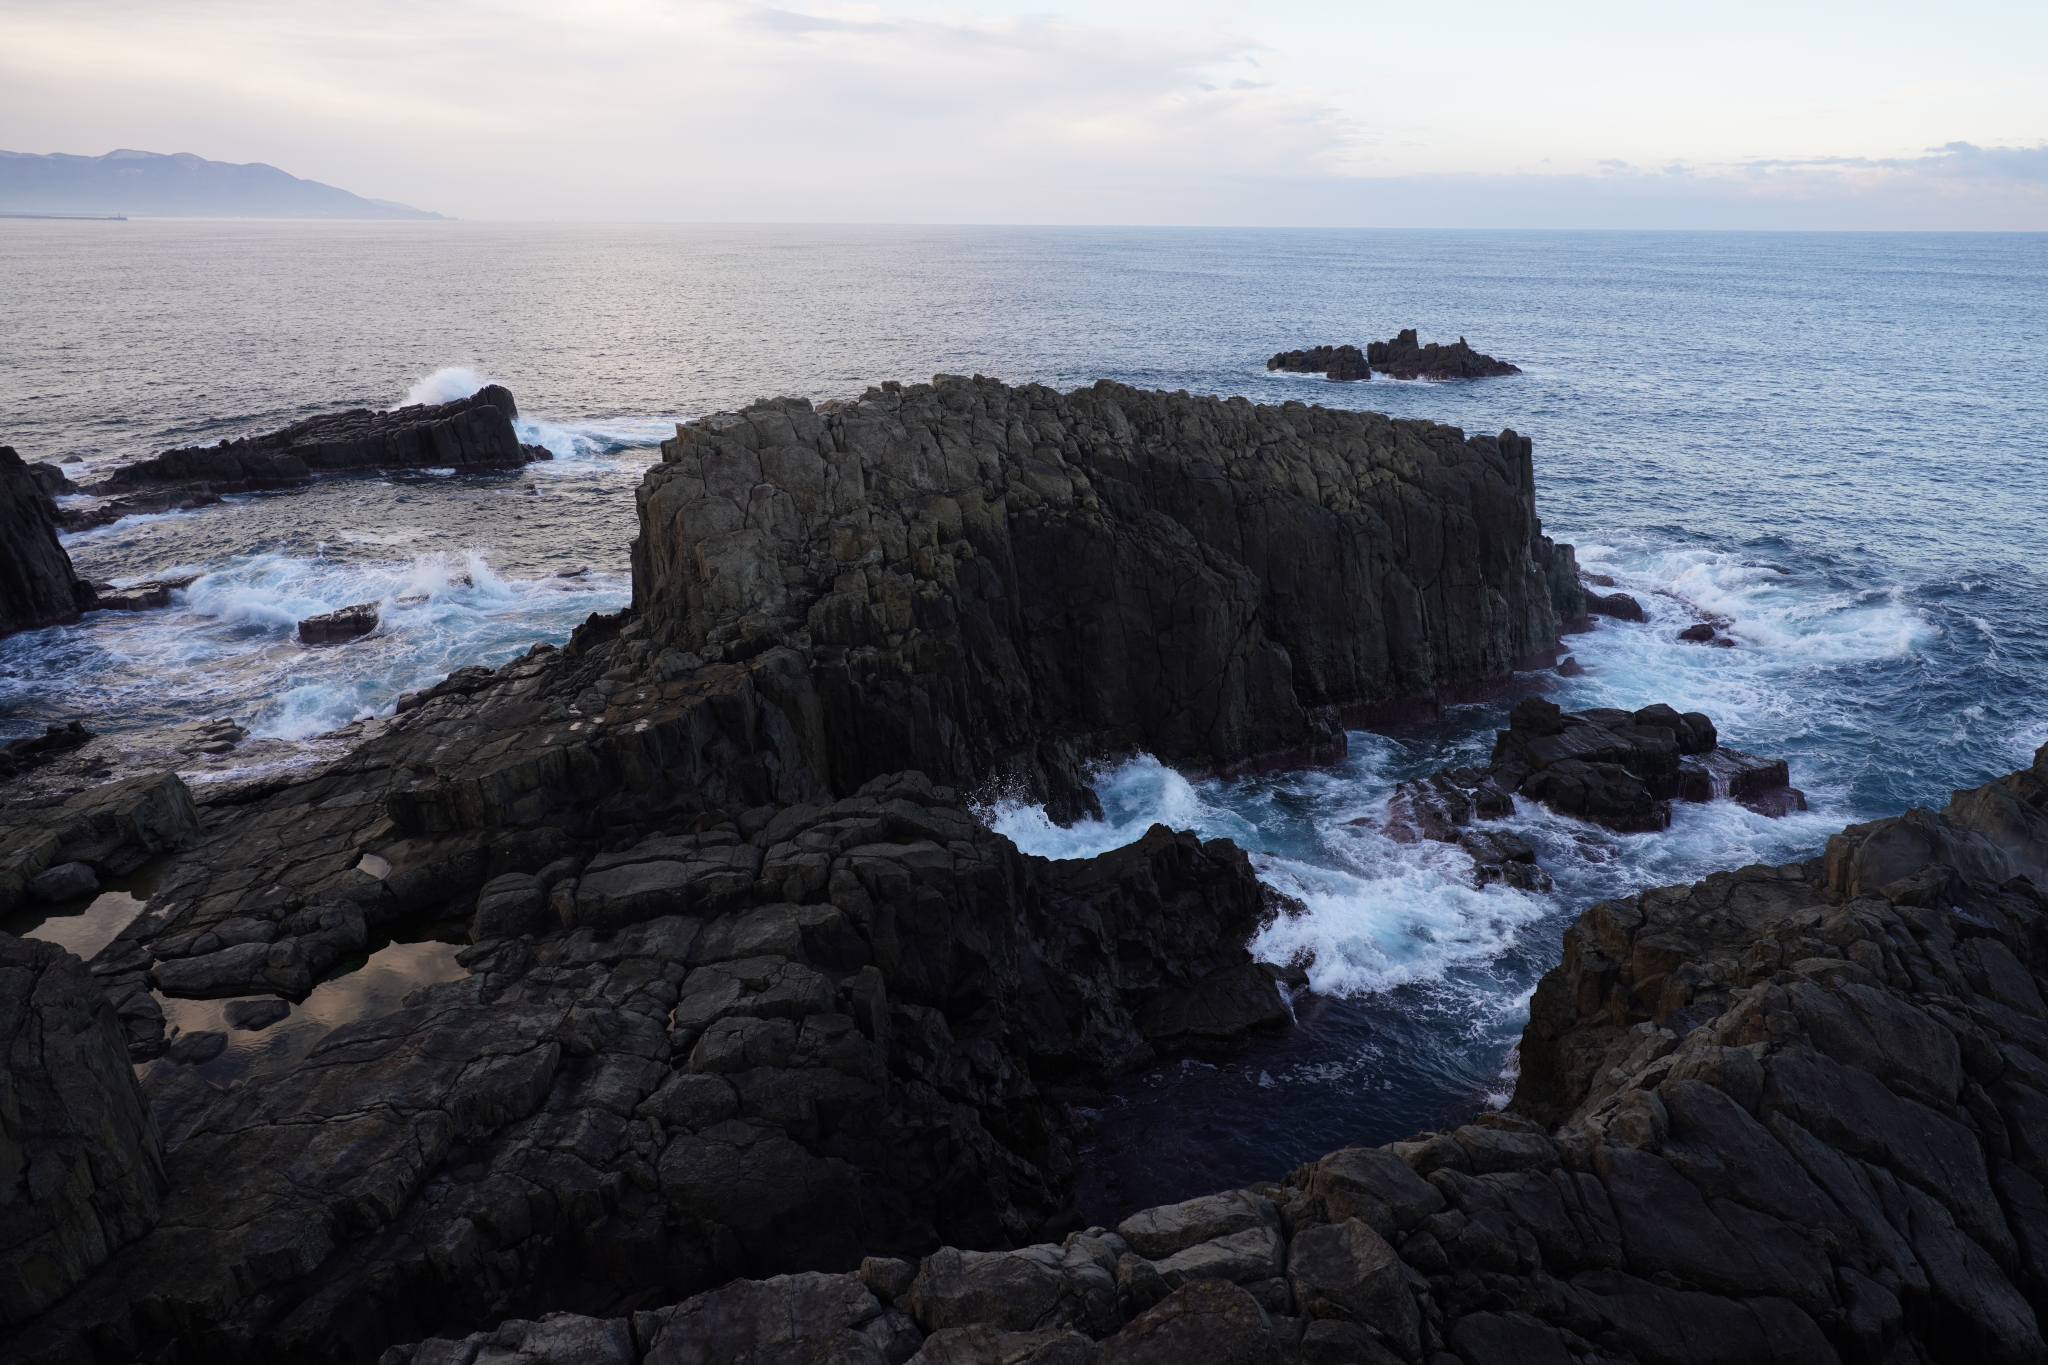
751 1059
1403 357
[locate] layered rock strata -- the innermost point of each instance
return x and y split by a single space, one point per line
1404 358
986 581
470 433
38 586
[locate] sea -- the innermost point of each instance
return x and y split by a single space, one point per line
1835 445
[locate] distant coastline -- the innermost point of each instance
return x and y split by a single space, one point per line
179 185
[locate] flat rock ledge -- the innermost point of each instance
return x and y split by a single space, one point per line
469 433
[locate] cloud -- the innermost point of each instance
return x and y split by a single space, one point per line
734 110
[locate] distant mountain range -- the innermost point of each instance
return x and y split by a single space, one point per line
180 185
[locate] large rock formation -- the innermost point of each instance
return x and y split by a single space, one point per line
1793 1114
469 433
38 586
1404 358
1332 362
984 580
81 1171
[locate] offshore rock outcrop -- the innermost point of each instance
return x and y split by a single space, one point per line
469 433
985 581
38 586
1404 358
1333 362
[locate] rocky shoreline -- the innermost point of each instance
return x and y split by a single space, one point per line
750 1060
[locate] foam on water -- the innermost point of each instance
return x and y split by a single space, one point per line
444 385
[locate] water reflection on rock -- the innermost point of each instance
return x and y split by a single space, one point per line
376 987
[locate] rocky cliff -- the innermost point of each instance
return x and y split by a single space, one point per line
81 1165
470 433
37 584
1789 1114
982 580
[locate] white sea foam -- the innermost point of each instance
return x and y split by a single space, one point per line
444 385
231 635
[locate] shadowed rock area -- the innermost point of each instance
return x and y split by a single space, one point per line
38 586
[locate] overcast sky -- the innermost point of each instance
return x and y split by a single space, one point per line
1113 111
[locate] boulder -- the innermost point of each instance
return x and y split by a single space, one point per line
338 627
1618 605
1208 1322
1347 1271
64 882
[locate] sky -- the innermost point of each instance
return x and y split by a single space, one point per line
1734 115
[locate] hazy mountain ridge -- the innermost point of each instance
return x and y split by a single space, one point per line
181 184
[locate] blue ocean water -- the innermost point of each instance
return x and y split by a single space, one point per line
1836 443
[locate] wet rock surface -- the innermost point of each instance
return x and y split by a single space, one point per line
38 586
986 582
1403 357
1618 769
337 627
469 433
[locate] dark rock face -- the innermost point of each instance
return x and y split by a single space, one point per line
1403 358
469 433
1619 769
1785 1114
337 627
38 586
1618 605
50 479
721 1023
19 755
81 1172
111 830
1337 362
991 581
